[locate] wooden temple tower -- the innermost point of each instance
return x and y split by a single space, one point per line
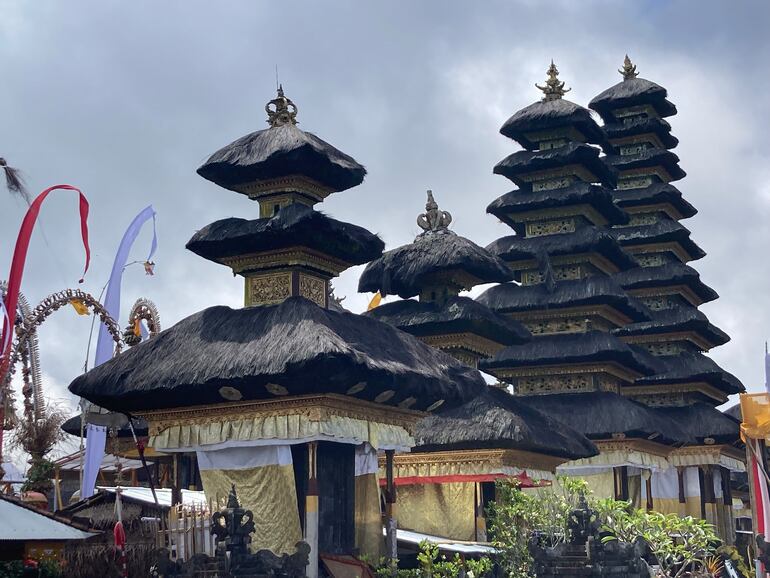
289 398
686 385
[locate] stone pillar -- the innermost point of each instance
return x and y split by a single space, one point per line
391 541
311 510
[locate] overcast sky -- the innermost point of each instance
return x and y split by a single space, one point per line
127 99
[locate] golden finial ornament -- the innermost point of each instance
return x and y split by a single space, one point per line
629 70
281 110
554 88
433 219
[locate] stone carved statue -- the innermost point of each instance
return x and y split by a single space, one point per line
433 219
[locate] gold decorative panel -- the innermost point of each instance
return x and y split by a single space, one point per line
634 149
643 219
558 326
651 260
554 383
268 289
638 183
550 227
551 184
665 348
313 288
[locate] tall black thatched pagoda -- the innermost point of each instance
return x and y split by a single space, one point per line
447 480
566 261
286 398
686 384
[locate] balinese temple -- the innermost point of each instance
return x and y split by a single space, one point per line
686 385
565 261
287 398
446 483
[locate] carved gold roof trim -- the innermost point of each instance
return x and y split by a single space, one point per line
314 407
639 445
467 341
682 290
500 457
693 387
663 337
581 210
605 311
645 137
656 170
577 170
288 184
597 260
666 208
714 450
291 256
610 368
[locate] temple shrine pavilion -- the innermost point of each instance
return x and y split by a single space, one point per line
289 398
447 481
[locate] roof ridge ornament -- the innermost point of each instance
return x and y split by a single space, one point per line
433 219
554 88
283 110
629 70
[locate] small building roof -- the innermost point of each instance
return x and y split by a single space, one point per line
655 194
497 420
648 158
580 193
455 315
688 367
550 114
677 320
72 427
668 274
521 163
703 421
568 348
662 231
406 270
632 92
600 414
596 290
288 345
294 225
642 125
587 239
27 523
277 151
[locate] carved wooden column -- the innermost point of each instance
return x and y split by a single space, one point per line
311 510
391 541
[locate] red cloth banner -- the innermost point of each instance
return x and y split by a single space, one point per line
20 256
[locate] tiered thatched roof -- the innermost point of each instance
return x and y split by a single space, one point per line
632 92
497 420
662 231
655 194
669 274
294 347
551 114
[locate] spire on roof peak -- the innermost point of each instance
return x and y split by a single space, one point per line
629 70
433 219
554 88
281 110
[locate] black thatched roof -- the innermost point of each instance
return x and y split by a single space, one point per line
651 157
580 193
632 92
404 271
656 193
676 320
702 420
521 163
456 315
497 420
567 348
596 290
600 414
588 239
277 152
72 427
662 231
642 125
547 115
687 367
734 411
674 273
295 345
294 225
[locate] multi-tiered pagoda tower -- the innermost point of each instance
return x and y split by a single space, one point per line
563 255
686 384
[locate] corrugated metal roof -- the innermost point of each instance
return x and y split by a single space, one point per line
25 523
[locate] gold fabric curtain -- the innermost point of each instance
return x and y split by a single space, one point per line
445 510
